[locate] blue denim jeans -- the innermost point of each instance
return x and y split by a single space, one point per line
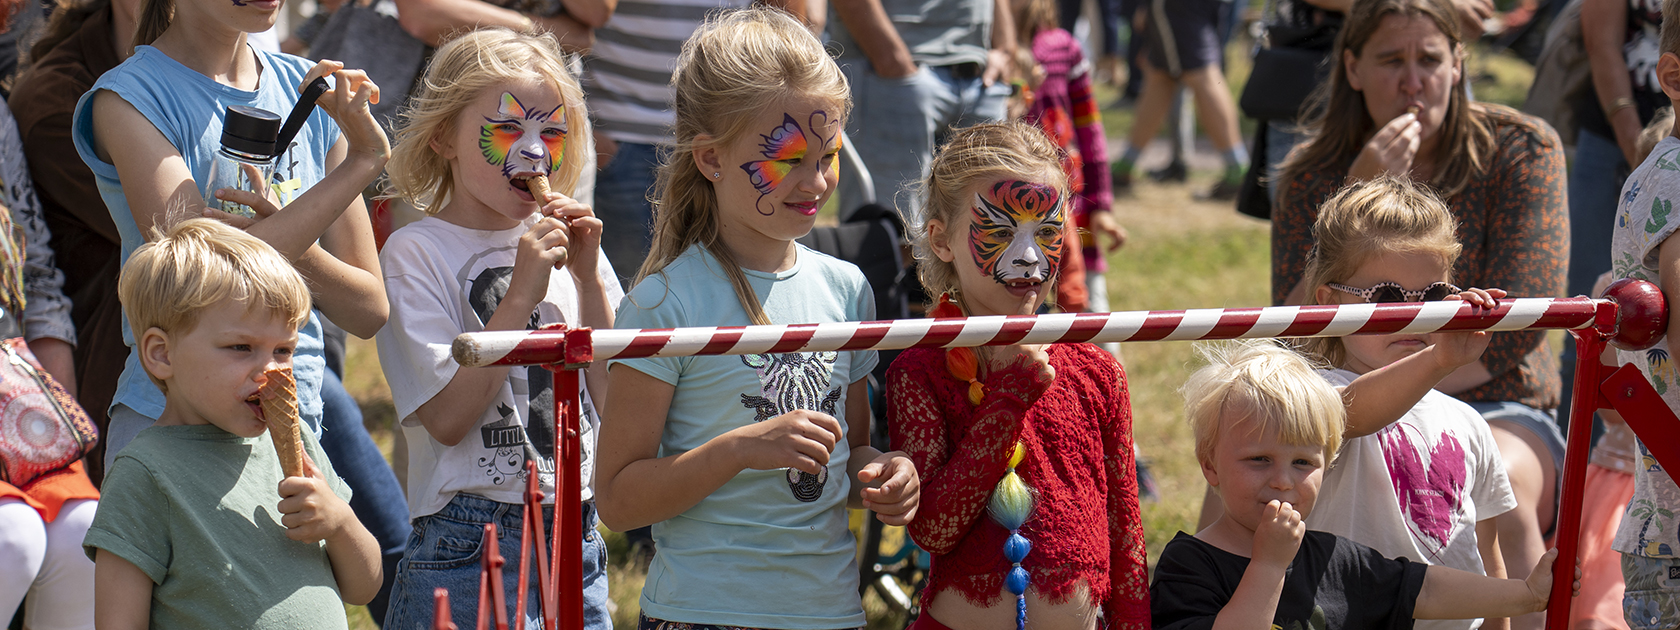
376 498
896 123
445 550
622 188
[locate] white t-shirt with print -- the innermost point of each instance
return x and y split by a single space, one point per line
443 280
1417 488
1644 219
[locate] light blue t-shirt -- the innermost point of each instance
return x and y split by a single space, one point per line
763 551
188 108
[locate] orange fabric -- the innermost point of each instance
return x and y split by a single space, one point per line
1599 605
48 493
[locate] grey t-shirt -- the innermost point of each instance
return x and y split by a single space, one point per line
938 32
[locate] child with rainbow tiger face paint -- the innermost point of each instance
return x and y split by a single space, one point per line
745 466
497 111
1029 488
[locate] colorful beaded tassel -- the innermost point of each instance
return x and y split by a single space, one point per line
1011 503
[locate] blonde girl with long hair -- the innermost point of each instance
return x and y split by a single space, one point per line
496 114
745 465
1029 483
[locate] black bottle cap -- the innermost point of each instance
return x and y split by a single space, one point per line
250 130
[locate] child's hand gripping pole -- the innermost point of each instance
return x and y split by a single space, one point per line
280 412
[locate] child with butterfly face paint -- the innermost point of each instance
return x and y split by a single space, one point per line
1028 481
745 465
497 114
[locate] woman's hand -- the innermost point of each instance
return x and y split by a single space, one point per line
1390 150
800 439
347 102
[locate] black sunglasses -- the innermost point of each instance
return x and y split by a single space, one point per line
1392 292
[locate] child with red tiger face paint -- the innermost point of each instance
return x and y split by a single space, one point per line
1053 421
1007 247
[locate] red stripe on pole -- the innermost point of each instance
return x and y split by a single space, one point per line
647 343
1014 329
868 334
1309 320
794 338
1233 323
722 340
1157 325
539 347
1568 313
1393 317
942 332
1085 326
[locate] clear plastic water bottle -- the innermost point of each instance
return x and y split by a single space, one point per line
248 136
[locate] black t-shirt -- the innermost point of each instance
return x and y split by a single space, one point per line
1333 584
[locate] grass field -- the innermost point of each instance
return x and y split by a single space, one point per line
1183 253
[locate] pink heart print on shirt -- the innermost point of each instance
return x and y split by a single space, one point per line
1430 496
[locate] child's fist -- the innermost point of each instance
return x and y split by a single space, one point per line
309 509
1278 535
800 439
542 249
892 489
1540 580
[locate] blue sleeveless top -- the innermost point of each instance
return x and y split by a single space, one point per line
187 108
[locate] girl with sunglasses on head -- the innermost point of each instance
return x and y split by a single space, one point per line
1426 486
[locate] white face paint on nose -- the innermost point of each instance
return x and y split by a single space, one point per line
530 146
1025 259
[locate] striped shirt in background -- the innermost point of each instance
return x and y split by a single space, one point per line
627 76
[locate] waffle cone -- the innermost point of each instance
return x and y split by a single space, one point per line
280 411
539 188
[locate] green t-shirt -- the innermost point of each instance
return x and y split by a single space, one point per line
196 509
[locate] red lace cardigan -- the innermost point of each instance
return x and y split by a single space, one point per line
1085 523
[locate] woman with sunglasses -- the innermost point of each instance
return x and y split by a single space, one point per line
1397 103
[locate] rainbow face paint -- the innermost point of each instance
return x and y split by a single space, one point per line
785 149
523 141
1016 235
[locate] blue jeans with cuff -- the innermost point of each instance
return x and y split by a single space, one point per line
445 551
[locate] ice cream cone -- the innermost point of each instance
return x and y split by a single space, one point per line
280 411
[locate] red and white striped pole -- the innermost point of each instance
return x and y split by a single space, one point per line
1633 315
561 346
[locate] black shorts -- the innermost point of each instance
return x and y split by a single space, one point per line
1183 35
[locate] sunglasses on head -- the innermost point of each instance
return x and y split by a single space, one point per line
1392 292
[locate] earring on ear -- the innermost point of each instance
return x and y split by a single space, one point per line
716 174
